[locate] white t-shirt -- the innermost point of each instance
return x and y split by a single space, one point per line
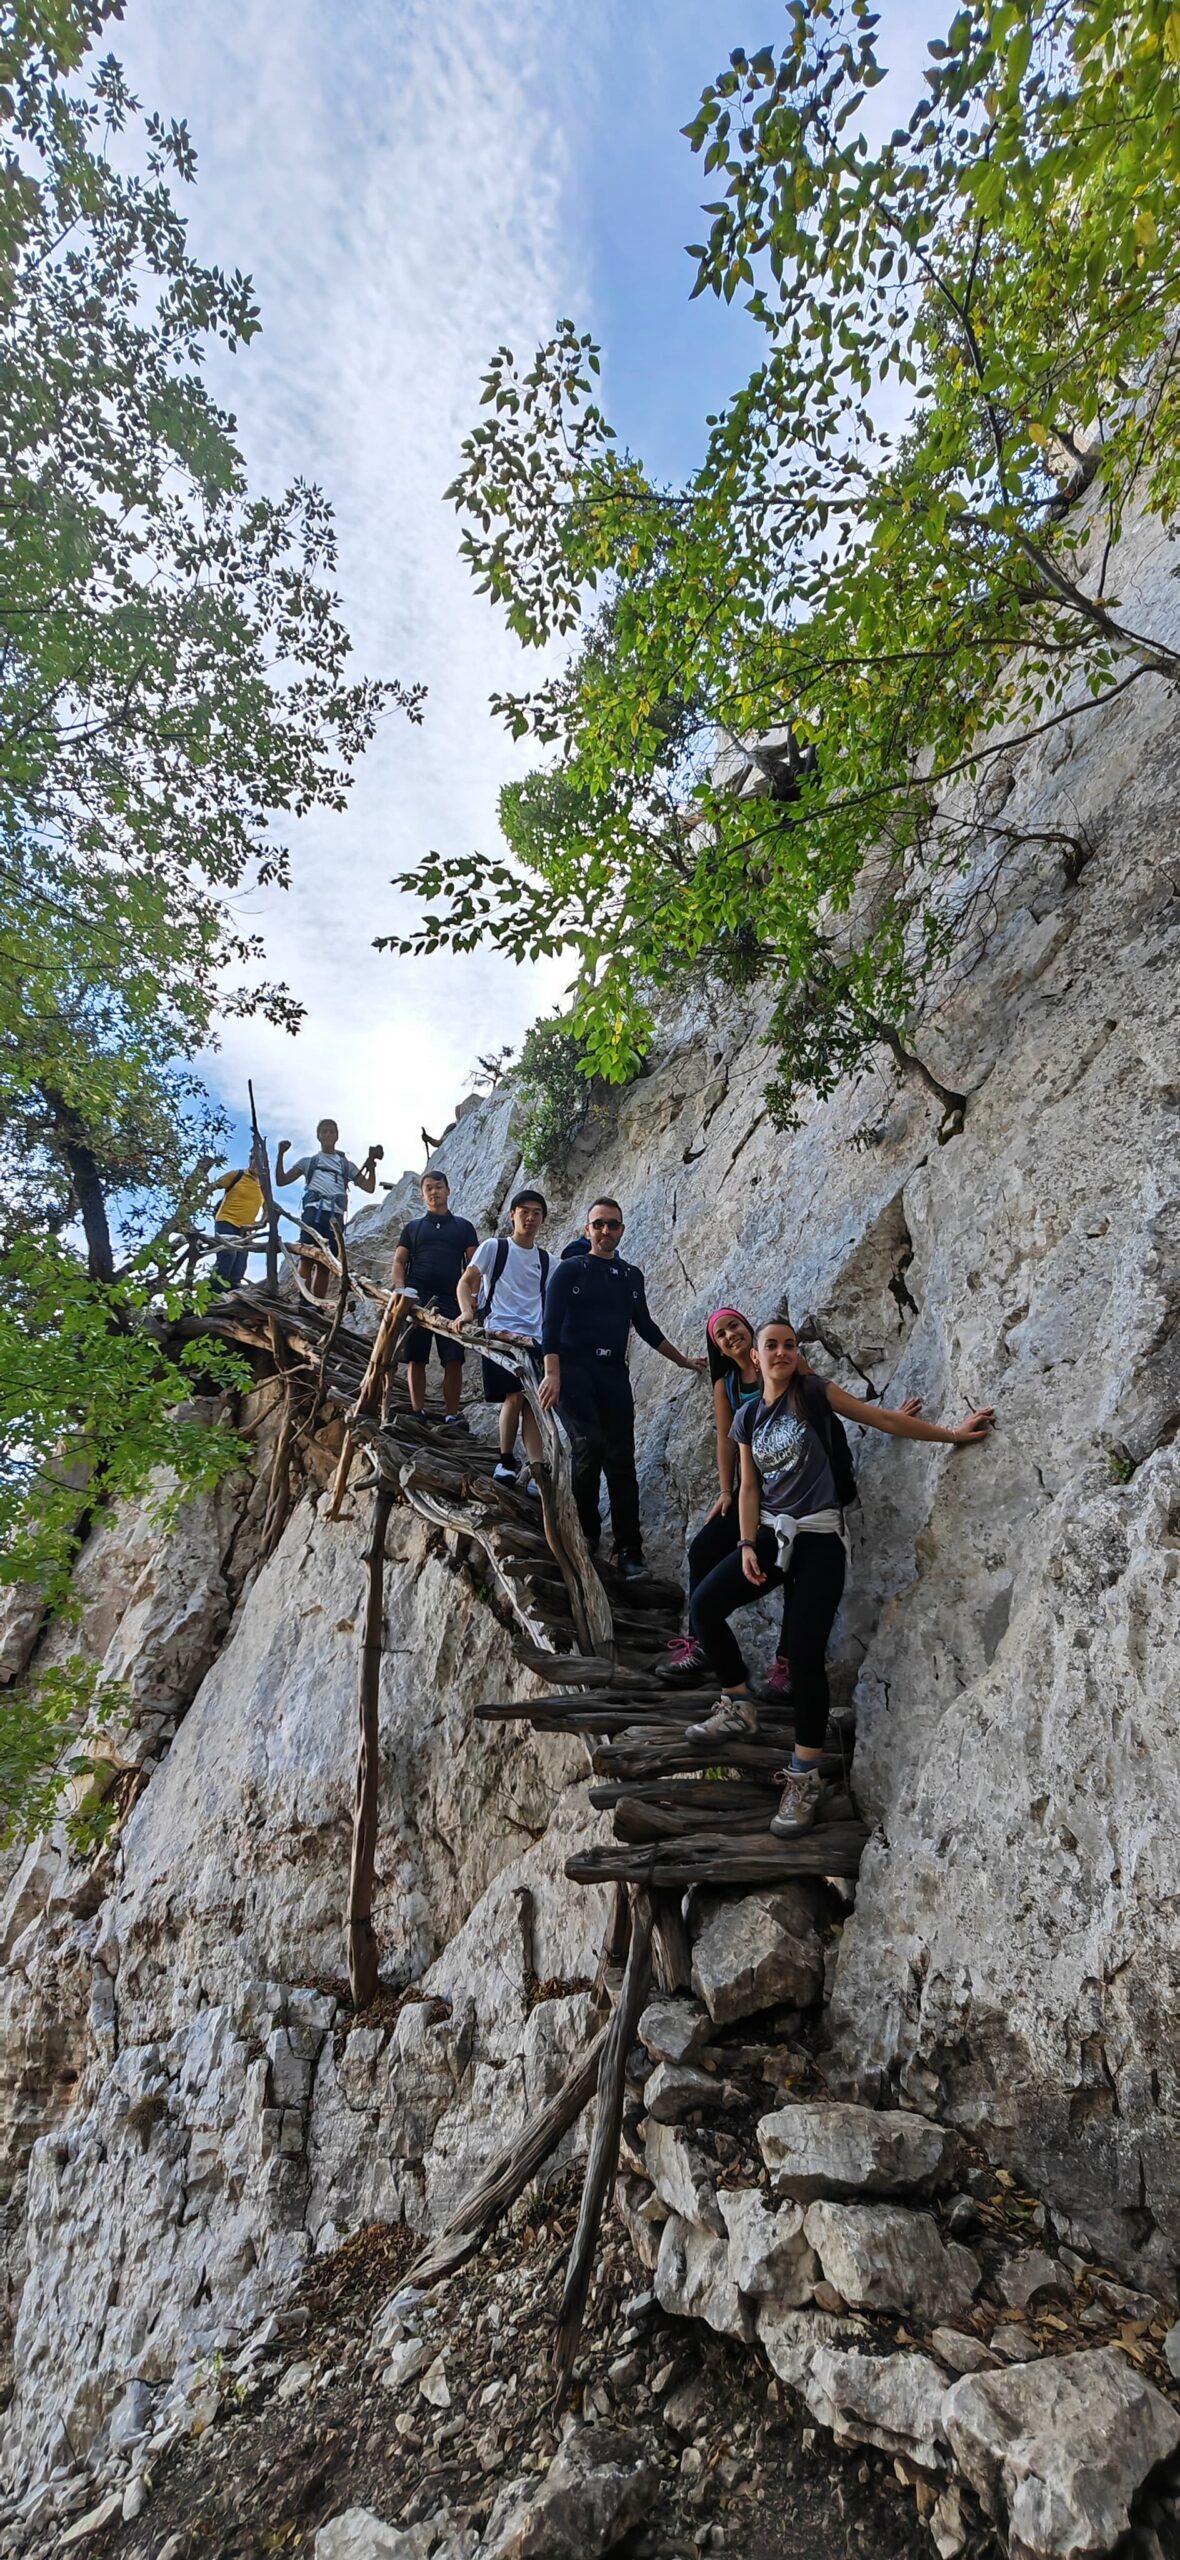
326 1178
516 1307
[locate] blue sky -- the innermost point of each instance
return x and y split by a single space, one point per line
411 182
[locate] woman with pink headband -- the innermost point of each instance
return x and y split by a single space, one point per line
737 1381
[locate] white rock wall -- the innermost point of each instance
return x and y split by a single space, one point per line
1009 1639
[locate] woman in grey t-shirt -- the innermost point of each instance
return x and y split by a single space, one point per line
792 1532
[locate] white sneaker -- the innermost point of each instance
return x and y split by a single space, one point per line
731 1720
505 1473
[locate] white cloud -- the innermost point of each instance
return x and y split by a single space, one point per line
395 178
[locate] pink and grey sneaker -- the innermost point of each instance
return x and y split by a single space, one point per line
686 1659
776 1688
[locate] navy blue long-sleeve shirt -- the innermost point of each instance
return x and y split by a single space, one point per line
590 1307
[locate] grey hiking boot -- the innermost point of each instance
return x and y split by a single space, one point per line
731 1720
802 1796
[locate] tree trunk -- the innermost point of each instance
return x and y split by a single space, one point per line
604 2144
362 1942
88 1190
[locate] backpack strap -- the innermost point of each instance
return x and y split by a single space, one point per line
496 1270
543 1259
835 1439
415 1236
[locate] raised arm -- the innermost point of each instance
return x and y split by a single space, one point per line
649 1331
902 1425
282 1176
679 1359
726 1453
366 1173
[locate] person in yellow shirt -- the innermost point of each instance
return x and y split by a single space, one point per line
239 1209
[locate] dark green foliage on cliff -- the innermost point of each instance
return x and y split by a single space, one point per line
877 604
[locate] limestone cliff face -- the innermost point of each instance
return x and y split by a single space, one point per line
174 2049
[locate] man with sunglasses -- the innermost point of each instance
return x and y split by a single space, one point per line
591 1303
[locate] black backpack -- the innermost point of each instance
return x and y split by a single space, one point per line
502 1243
835 1439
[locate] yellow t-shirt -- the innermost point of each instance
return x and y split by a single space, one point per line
242 1205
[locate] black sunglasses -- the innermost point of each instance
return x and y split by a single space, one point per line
609 1225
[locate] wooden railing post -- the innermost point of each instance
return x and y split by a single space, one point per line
362 1937
370 1394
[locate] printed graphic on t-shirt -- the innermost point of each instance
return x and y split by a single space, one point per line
780 1442
791 1458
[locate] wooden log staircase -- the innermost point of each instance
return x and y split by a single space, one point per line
683 1814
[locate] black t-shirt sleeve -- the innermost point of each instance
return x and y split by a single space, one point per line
742 1426
556 1294
405 1242
467 1234
641 1315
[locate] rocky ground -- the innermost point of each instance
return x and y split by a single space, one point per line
876 2326
327 2412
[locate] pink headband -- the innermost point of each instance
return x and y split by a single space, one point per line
721 1315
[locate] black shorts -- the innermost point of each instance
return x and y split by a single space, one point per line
416 1347
323 1220
498 1382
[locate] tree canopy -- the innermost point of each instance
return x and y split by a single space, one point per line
901 542
175 692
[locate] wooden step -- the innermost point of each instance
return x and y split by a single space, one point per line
670 1821
591 1671
832 1849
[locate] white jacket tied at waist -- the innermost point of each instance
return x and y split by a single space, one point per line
785 1528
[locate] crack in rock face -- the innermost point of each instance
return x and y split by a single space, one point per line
183 2095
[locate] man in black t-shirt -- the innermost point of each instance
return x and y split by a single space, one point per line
432 1252
592 1301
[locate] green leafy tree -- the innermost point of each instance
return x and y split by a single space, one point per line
175 691
868 611
552 1095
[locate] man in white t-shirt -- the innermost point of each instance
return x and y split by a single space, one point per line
504 1284
326 1176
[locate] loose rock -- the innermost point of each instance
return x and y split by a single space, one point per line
93 2522
962 2352
693 2280
358 2534
834 2150
750 1953
675 2089
792 2339
891 2401
1056 2450
597 2487
674 2030
682 2179
888 2259
769 2254
1036 2272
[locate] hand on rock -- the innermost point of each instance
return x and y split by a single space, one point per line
976 1426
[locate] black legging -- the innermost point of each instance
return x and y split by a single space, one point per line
813 1584
598 1411
719 1538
